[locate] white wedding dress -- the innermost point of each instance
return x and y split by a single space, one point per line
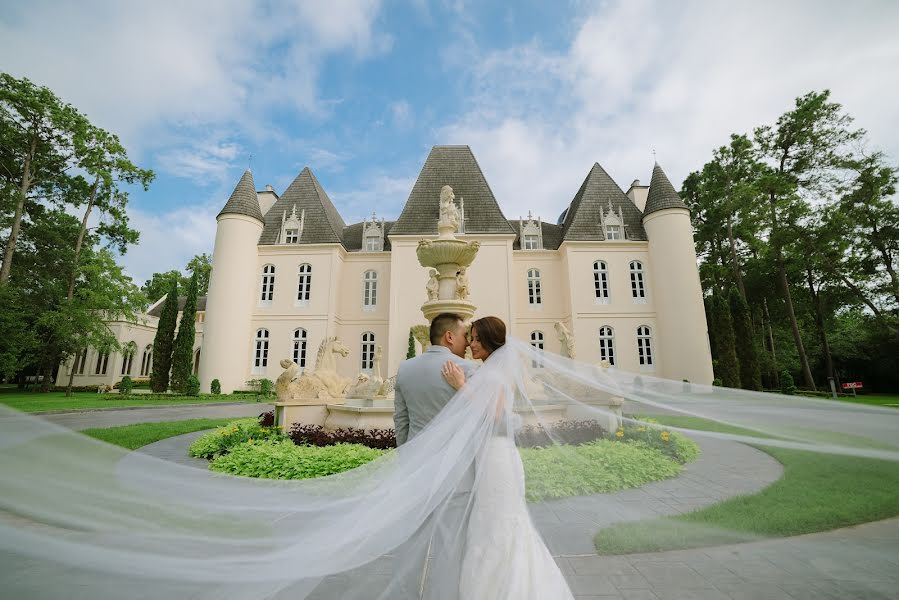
505 557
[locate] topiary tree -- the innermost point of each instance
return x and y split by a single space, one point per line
193 386
216 387
266 386
728 365
786 383
747 351
162 343
410 353
183 352
126 385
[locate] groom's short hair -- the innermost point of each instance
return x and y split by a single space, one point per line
441 324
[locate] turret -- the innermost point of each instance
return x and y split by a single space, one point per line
681 335
232 287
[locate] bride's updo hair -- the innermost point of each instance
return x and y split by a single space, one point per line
491 332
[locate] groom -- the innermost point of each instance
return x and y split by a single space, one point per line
420 394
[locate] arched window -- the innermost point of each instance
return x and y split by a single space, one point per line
537 342
644 346
304 284
300 340
128 357
260 357
638 286
368 351
80 361
102 363
607 344
197 362
369 290
534 296
146 362
268 285
601 281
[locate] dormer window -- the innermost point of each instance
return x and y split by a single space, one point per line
612 224
292 226
531 233
373 234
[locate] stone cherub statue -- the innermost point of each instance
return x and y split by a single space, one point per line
449 214
433 286
567 340
462 284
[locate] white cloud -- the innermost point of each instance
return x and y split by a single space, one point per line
135 67
378 192
640 75
204 163
401 113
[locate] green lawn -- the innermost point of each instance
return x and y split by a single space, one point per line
875 399
35 401
818 492
141 434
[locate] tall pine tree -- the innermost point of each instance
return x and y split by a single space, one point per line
183 353
728 366
747 353
162 343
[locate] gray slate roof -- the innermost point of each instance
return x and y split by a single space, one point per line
582 217
323 224
182 300
352 236
552 235
243 200
457 167
661 193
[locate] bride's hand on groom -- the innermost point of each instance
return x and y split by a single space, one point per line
453 374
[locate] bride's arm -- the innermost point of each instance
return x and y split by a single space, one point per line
455 376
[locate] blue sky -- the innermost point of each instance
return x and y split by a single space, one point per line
360 90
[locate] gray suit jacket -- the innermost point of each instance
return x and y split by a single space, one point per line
421 392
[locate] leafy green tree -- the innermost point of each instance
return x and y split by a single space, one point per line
159 285
162 343
728 365
183 352
805 149
38 133
410 351
201 266
745 343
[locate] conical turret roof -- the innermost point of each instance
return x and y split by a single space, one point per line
581 220
322 223
243 200
456 167
661 193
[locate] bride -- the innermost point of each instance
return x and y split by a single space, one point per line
505 556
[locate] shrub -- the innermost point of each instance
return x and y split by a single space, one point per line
281 459
193 386
126 385
596 467
717 382
266 386
223 439
672 444
267 419
566 432
787 386
315 435
215 387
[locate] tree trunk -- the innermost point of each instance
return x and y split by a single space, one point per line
771 341
20 210
81 233
819 321
72 375
47 373
735 262
794 324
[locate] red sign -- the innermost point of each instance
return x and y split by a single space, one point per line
855 385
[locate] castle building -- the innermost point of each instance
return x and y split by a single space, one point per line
617 269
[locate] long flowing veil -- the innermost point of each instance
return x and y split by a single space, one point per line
81 518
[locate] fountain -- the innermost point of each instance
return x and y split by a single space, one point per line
448 259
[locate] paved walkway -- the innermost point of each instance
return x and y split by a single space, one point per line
852 563
85 419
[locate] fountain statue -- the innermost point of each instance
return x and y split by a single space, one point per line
448 258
